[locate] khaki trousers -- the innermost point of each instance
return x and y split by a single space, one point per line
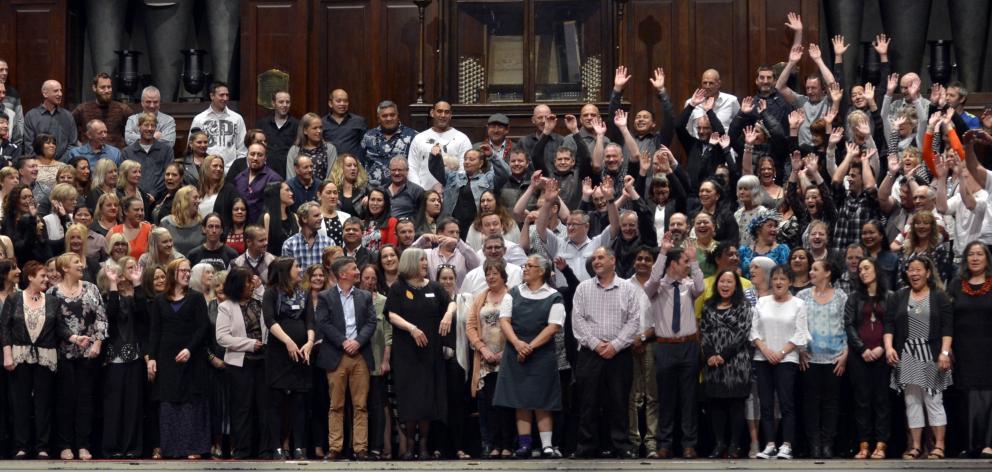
351 375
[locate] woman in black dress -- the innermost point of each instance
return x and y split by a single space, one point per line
725 325
279 203
177 357
288 313
972 295
528 374
422 314
28 328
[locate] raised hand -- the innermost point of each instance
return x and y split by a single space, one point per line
881 44
621 78
714 138
831 115
893 164
814 52
599 126
797 161
560 263
941 166
750 135
853 152
836 136
689 246
948 117
658 80
935 93
666 242
892 84
869 92
607 187
862 129
747 105
698 97
644 163
796 54
913 90
586 189
550 122
572 124
934 120
762 105
709 103
839 46
725 141
898 121
794 22
551 189
836 93
620 119
796 118
661 157
812 165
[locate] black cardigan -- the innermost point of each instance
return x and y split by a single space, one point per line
897 322
171 332
14 331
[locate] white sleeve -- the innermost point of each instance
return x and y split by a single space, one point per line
556 315
239 137
506 306
415 162
131 132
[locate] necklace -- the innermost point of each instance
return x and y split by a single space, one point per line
981 290
36 297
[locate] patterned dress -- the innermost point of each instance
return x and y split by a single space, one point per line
725 333
916 363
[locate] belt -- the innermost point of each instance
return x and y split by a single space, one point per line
678 339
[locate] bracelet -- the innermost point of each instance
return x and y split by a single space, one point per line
748 147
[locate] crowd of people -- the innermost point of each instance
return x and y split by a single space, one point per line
805 269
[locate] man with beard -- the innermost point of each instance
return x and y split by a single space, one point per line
112 113
251 182
441 133
280 130
496 144
51 118
384 142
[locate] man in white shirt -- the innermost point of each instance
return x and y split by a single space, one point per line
494 249
576 248
165 127
493 226
725 105
452 142
981 176
225 127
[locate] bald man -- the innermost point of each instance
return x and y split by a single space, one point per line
51 118
725 105
527 143
909 86
343 128
584 128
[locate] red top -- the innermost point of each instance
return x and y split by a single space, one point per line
139 245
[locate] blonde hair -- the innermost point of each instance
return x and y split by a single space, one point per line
100 171
100 202
63 193
76 228
181 205
64 260
305 122
337 172
205 172
154 238
147 117
7 172
123 170
113 239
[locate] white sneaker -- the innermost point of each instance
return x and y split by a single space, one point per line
768 453
753 452
784 452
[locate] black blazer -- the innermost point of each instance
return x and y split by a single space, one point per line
329 318
852 319
941 318
14 331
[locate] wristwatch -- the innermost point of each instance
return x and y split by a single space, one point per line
946 353
643 338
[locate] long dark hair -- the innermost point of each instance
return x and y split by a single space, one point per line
380 220
10 206
881 282
234 285
736 298
228 219
279 274
963 271
6 266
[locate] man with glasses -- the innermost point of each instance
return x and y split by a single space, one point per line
494 249
492 225
404 195
451 141
576 248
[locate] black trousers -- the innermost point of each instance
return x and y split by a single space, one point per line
318 409
979 418
376 405
727 414
449 436
150 410
123 389
677 372
821 404
249 399
604 389
293 404
497 424
777 380
872 400
32 388
76 381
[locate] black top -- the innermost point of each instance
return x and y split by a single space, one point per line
123 341
346 136
14 331
278 140
852 319
172 331
897 319
972 338
220 258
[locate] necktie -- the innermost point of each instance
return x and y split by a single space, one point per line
676 308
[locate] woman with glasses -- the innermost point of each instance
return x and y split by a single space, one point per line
528 373
177 358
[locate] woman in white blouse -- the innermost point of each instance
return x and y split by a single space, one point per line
778 331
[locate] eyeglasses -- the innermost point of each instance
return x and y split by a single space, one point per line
533 266
575 225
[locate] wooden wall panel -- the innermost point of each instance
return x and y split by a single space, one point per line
770 41
400 55
652 28
345 36
274 36
35 45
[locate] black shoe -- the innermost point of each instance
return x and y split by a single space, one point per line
735 453
299 455
116 456
827 452
718 452
21 455
629 455
361 456
132 455
279 455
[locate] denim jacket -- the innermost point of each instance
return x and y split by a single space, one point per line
491 179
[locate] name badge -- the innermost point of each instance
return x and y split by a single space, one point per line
294 307
429 295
